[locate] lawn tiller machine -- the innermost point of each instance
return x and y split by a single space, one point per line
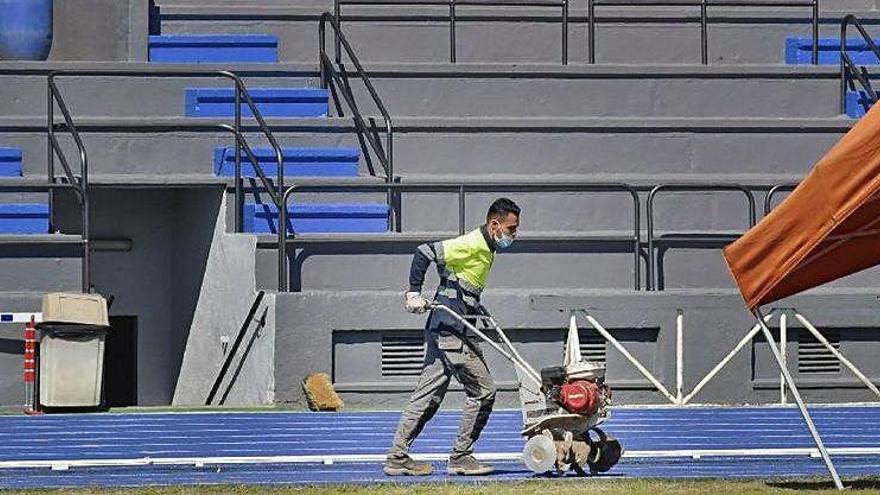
562 406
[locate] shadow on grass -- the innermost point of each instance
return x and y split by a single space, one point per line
872 483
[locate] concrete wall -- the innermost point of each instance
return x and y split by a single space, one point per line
159 280
339 333
476 90
100 30
225 296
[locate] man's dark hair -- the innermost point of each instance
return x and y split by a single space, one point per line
501 208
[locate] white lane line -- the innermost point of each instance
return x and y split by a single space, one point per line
372 458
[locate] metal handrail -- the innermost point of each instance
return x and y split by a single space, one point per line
704 17
461 188
848 69
241 94
772 192
181 126
328 71
563 4
718 187
80 186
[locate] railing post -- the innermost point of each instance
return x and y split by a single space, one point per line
239 192
564 32
336 13
783 351
461 212
452 31
649 282
704 33
50 151
844 69
283 285
815 32
679 357
591 32
322 50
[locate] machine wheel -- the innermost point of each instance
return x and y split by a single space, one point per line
539 454
608 452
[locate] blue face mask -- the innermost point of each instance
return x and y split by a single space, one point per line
504 242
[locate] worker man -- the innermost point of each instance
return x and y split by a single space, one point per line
463 264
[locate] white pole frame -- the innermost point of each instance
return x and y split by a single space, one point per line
846 362
797 398
629 357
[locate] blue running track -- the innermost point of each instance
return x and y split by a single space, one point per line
128 437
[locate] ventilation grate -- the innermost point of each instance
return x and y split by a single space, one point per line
402 354
813 357
592 346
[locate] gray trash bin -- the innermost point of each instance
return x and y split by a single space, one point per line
71 365
71 358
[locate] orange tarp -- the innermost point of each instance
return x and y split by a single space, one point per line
827 228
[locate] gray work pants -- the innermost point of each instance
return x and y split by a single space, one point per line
447 355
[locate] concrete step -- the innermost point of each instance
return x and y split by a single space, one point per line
319 217
112 96
857 103
443 89
217 48
798 50
10 162
24 218
462 146
298 162
421 34
272 102
625 90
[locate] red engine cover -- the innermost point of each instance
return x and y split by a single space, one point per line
579 397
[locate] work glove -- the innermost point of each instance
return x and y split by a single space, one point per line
415 303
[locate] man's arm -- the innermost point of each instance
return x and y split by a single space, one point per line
422 259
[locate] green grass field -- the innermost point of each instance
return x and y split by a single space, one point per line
560 487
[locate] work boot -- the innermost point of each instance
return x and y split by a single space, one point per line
406 466
467 465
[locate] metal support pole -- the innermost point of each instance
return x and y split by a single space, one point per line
783 344
629 357
800 403
452 31
704 33
591 32
709 376
461 210
816 32
239 192
679 357
337 43
846 362
50 151
844 71
564 32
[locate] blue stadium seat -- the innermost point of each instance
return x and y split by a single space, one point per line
798 51
319 218
214 48
272 102
10 162
857 104
300 161
24 218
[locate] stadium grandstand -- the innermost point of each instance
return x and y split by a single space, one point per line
245 183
